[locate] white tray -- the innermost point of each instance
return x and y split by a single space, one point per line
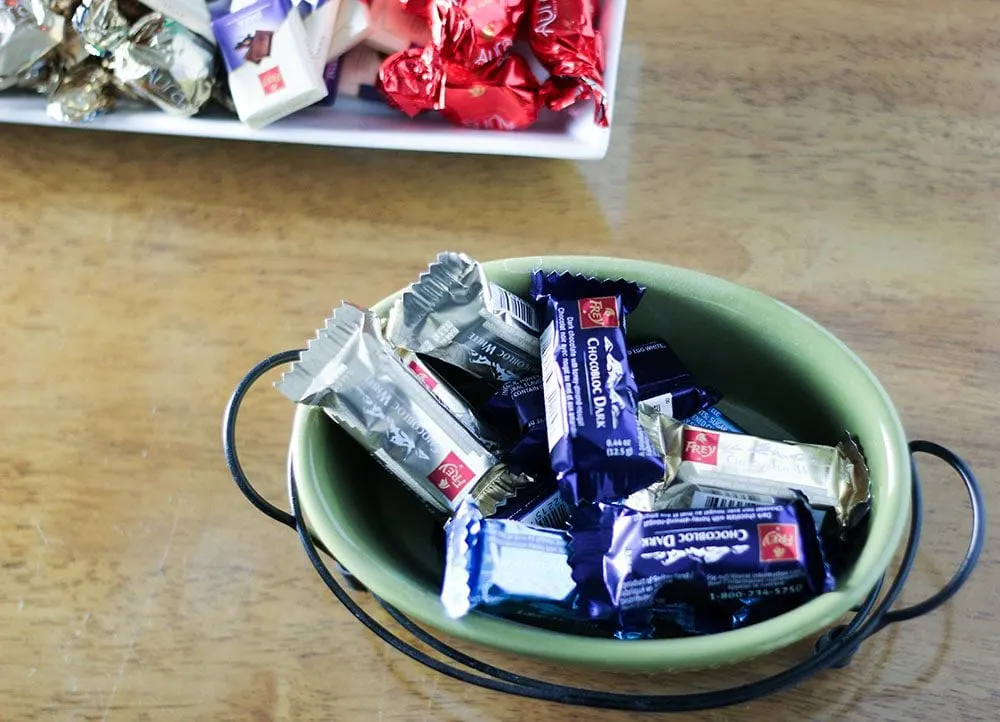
363 124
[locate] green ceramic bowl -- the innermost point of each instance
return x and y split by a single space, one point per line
783 375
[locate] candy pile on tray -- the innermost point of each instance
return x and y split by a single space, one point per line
266 59
586 481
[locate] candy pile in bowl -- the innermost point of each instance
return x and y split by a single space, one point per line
480 63
584 480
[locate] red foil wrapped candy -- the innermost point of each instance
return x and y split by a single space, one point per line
501 95
563 38
471 32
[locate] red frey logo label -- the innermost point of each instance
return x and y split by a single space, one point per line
421 373
451 476
599 312
271 81
778 542
701 446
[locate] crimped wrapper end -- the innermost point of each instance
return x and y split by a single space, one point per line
315 365
461 561
855 491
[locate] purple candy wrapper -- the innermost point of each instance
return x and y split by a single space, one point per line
597 450
703 571
662 381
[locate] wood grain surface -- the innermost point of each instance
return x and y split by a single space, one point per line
843 157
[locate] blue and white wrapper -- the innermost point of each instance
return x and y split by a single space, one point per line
506 566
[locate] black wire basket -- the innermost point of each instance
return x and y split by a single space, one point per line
833 650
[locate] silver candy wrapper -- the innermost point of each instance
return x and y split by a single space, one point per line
450 399
81 94
360 381
101 26
454 313
166 64
40 76
28 30
717 462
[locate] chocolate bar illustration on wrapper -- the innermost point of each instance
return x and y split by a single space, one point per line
260 46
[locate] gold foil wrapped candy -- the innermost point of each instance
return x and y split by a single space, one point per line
166 64
81 94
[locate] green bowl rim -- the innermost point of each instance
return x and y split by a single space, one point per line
688 653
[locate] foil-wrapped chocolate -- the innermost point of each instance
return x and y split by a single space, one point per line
359 380
449 397
597 449
81 94
41 75
502 95
28 30
101 26
828 476
505 566
470 32
702 571
71 51
663 384
563 37
165 64
454 313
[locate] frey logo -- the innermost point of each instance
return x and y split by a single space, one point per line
423 374
451 476
271 80
700 446
601 312
778 542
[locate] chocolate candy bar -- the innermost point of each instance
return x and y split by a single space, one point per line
664 384
684 495
454 313
703 571
505 565
450 398
828 476
597 449
268 80
524 400
539 504
359 380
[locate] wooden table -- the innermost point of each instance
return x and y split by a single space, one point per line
842 157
